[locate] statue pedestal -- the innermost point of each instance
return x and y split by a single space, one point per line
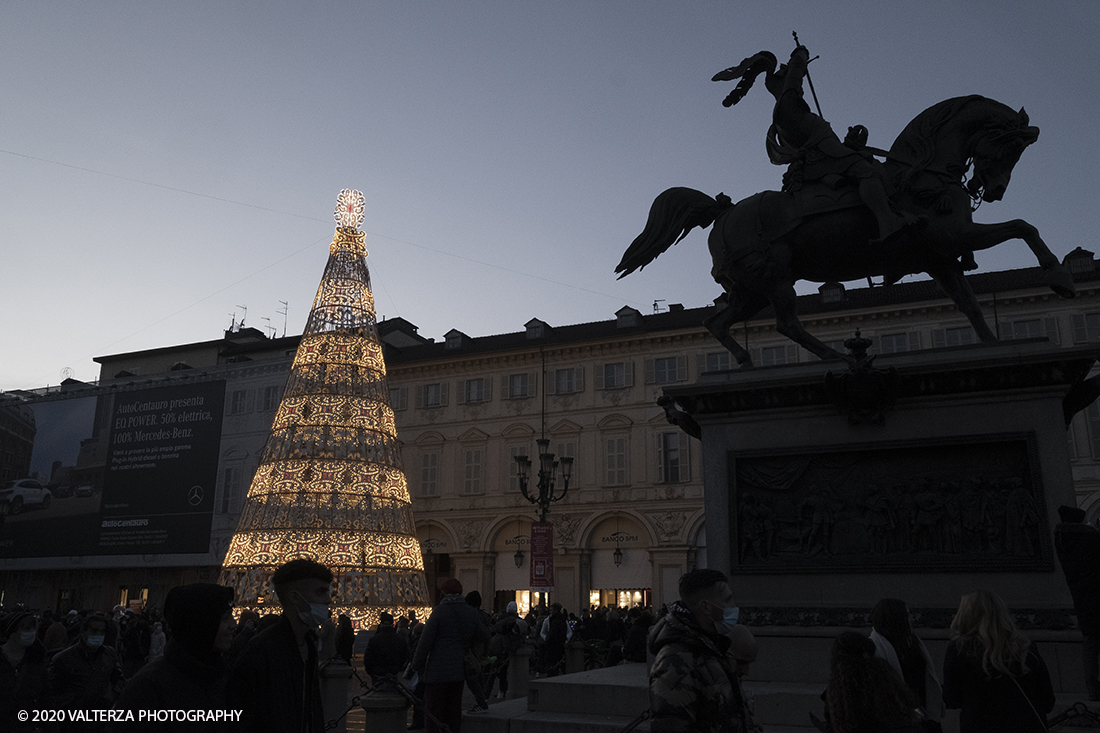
816 511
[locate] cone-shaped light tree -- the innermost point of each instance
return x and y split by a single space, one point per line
330 486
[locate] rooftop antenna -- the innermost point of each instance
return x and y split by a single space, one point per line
233 322
656 307
283 314
273 329
245 309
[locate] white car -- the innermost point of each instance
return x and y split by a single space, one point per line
24 492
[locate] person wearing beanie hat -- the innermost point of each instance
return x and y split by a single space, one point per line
276 680
440 657
191 675
1078 548
22 669
509 635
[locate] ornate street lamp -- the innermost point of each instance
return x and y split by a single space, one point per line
547 476
618 556
518 557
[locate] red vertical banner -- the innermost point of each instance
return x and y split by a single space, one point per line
542 556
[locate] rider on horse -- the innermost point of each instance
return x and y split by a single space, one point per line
806 142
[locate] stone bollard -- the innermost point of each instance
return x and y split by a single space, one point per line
574 656
335 677
386 712
519 673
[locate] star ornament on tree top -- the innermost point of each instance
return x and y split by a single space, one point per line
349 209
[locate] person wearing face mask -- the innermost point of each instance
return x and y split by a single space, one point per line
191 674
276 680
87 675
22 669
693 684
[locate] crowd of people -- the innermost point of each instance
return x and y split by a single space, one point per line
195 655
885 682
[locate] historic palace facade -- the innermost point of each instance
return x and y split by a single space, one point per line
632 521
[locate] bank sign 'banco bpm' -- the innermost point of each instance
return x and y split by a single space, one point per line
127 473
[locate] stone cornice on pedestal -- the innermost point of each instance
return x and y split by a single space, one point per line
983 368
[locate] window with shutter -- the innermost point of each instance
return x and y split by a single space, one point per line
1050 329
668 457
433 395
231 486
513 468
519 386
474 390
615 461
429 473
665 370
237 402
896 343
773 355
565 381
718 361
472 483
568 449
954 336
618 375
271 397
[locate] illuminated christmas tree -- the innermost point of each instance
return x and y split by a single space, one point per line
330 486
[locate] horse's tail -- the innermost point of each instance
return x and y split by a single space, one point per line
674 213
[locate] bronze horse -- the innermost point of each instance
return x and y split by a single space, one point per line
763 244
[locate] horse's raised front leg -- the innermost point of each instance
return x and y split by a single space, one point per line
954 283
984 236
738 307
787 323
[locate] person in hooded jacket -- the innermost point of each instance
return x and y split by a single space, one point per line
387 653
22 670
692 683
440 657
191 675
157 642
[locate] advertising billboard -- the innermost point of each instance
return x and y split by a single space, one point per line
124 473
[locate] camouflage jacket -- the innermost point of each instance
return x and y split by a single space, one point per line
692 687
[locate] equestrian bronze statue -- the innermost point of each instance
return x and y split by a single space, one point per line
843 215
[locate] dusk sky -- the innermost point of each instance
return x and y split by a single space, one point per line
165 165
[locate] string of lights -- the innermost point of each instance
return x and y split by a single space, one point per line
330 485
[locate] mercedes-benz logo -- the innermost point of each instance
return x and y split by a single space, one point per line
194 496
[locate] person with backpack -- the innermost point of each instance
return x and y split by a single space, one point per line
509 636
555 633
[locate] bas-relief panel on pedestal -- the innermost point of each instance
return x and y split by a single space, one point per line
971 504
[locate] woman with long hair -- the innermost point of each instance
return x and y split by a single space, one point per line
896 643
865 694
993 672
